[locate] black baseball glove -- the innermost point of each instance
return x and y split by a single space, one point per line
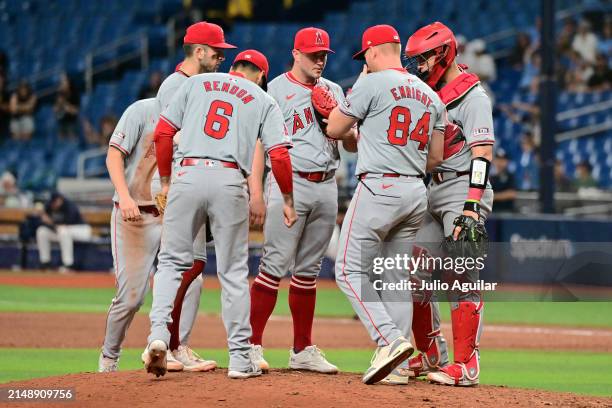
472 241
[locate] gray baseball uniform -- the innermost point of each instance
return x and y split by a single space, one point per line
191 302
300 249
398 113
134 244
470 123
221 117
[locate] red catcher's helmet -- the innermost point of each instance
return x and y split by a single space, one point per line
435 38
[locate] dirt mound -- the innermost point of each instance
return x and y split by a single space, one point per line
284 389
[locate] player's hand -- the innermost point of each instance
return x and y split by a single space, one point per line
290 215
129 209
257 211
468 213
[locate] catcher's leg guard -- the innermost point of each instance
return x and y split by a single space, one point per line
428 340
466 321
188 277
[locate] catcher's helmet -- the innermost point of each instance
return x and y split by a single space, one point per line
435 38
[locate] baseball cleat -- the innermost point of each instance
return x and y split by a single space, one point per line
418 366
311 359
191 361
386 358
459 374
172 364
107 365
399 376
252 371
154 358
258 358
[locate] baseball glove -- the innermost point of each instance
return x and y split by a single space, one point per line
161 200
472 241
323 102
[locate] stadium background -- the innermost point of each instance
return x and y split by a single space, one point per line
109 51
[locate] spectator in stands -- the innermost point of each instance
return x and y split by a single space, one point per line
61 222
605 45
531 68
5 111
503 183
566 36
528 172
601 79
584 179
519 51
461 51
10 196
150 90
585 42
22 106
481 63
578 73
66 108
562 183
100 138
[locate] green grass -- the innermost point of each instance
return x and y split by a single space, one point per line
583 373
330 303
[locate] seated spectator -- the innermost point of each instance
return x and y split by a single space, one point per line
601 79
66 108
578 73
503 183
584 179
5 111
22 106
482 63
562 183
528 172
531 70
585 42
100 138
566 36
61 222
519 51
10 196
605 45
150 90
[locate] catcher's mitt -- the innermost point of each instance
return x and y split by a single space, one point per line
323 102
161 200
472 241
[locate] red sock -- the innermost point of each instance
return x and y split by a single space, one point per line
188 277
302 299
264 292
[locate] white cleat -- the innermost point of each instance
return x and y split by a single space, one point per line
399 376
172 364
191 361
386 358
311 359
107 365
252 371
154 358
258 359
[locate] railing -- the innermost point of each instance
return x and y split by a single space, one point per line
89 155
141 52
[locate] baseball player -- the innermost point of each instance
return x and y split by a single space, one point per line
135 223
459 189
299 250
204 46
222 117
400 119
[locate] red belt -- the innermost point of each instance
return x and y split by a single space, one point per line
192 161
147 209
438 178
317 176
364 175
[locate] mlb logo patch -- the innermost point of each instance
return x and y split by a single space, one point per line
483 131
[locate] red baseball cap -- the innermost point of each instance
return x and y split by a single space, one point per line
256 58
377 35
206 33
311 39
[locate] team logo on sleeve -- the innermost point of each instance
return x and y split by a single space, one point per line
119 135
